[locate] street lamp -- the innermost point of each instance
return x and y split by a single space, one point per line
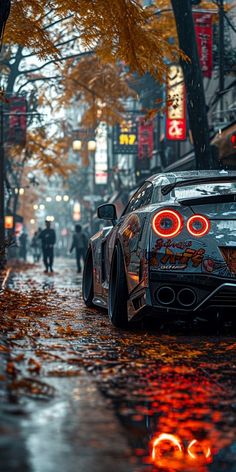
92 145
19 191
58 198
77 145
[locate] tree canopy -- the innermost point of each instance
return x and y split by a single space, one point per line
118 30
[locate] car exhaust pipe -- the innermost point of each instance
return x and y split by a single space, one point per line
165 295
186 297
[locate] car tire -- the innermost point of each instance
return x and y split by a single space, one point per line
118 291
87 285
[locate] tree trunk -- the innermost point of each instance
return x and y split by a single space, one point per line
196 104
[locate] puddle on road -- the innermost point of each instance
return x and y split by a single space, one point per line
175 395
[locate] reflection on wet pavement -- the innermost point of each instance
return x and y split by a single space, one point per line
173 389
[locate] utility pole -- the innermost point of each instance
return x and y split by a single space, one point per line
5 6
197 111
2 193
221 55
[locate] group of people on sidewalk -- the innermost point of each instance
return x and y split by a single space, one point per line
44 240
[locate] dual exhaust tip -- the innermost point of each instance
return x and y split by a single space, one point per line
186 297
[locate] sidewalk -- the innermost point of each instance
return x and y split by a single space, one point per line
53 418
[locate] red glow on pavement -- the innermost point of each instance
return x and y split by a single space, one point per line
198 451
166 448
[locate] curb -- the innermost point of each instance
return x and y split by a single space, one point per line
4 354
4 276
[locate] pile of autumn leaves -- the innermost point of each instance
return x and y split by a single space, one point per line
27 320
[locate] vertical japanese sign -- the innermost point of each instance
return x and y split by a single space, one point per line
17 121
204 37
176 105
101 158
145 138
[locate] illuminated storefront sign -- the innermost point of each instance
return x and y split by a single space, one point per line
101 167
76 211
8 222
125 137
176 105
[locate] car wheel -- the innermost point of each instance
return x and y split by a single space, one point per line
118 291
87 286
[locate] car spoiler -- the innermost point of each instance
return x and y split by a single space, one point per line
184 183
207 199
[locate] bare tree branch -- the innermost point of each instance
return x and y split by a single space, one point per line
60 20
67 41
54 61
38 79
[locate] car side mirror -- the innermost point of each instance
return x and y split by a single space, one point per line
107 212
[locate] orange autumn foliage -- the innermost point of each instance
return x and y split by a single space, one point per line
49 154
100 86
118 30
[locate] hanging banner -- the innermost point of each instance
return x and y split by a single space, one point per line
17 121
145 138
176 105
204 37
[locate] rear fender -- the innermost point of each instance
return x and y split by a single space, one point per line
132 236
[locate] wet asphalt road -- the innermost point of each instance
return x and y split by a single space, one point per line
80 395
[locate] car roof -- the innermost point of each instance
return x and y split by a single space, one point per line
172 177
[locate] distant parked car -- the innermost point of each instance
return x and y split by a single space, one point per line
172 251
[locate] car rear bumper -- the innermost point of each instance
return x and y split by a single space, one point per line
193 294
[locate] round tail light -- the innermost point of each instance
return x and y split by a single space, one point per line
198 225
167 223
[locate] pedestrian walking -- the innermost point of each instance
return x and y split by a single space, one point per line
23 242
48 238
80 244
36 246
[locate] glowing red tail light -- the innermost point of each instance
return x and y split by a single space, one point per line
167 223
198 225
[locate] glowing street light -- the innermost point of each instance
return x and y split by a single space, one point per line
92 145
58 198
32 221
19 191
41 207
48 199
66 198
35 207
77 145
50 218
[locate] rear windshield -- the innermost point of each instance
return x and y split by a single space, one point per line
203 189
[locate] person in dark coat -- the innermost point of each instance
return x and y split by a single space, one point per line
36 246
80 244
48 238
23 240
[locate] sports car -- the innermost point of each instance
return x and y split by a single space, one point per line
172 251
